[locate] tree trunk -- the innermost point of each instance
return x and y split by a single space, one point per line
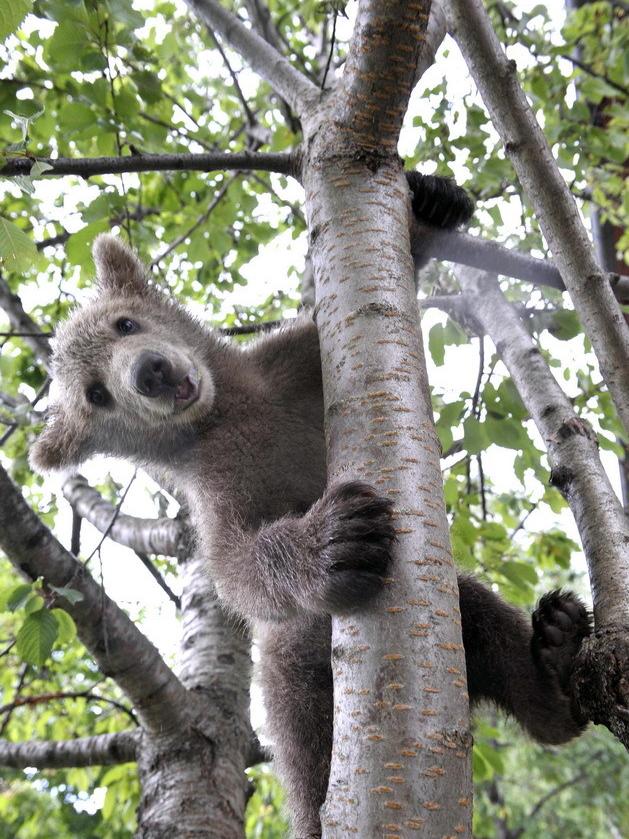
193 781
401 720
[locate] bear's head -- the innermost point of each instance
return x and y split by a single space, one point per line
131 375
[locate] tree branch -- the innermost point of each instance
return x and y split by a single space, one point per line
436 31
148 536
282 162
554 206
572 448
100 750
23 323
476 252
288 82
120 649
364 86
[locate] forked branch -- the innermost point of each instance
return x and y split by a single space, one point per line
117 645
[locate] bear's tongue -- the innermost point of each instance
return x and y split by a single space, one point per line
185 390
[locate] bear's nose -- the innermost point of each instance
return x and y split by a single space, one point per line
152 375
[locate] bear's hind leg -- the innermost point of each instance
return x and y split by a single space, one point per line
296 678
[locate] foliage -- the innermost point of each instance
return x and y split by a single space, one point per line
86 79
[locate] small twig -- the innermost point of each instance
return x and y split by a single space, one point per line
81 694
114 516
331 49
157 576
200 220
16 698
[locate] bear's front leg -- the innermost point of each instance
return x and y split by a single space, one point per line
331 560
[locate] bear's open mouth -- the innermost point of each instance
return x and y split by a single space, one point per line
187 391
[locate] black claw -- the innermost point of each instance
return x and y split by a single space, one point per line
560 623
359 532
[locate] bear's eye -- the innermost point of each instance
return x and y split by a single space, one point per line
97 395
126 326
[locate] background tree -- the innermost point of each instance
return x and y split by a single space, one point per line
108 80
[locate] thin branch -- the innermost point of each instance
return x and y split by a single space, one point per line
263 59
137 215
114 517
436 31
283 162
128 656
162 536
159 579
576 779
23 323
100 750
195 225
251 119
16 698
476 252
547 192
88 695
621 88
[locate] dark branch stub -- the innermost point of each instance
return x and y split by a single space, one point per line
600 680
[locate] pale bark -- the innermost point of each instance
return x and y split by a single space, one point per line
118 647
546 190
288 82
571 444
601 675
476 252
401 727
99 750
200 773
150 536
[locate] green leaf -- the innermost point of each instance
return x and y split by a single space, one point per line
70 594
36 636
67 47
67 627
12 13
475 438
18 597
17 250
39 167
436 344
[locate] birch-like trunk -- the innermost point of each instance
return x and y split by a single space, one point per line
401 721
601 673
547 192
193 781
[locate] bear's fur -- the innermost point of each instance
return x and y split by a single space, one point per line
238 431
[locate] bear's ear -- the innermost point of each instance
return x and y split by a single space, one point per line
117 267
59 446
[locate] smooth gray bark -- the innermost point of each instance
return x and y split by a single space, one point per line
576 467
193 781
291 85
150 536
100 750
547 192
476 252
600 677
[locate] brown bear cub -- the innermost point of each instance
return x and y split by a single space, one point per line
238 431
